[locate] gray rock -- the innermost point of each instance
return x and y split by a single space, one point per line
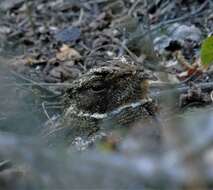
178 34
69 34
6 5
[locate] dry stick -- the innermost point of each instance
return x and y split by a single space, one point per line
81 16
29 9
207 86
97 1
150 38
46 114
55 130
5 164
131 10
131 54
39 85
204 86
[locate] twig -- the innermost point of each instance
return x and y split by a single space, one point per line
81 16
5 164
207 86
131 54
131 10
46 113
40 85
29 9
96 1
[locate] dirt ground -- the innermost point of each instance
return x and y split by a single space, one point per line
51 43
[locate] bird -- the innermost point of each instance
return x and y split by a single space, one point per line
116 92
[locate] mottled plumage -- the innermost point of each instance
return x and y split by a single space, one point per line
116 93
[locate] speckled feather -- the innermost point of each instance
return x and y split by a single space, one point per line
108 93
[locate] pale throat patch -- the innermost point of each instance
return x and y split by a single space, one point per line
80 113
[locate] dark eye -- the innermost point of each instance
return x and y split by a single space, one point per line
98 87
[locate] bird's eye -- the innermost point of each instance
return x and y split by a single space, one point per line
98 87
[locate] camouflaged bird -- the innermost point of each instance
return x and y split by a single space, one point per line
115 93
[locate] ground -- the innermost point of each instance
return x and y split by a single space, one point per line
122 60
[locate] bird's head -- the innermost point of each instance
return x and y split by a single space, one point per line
103 89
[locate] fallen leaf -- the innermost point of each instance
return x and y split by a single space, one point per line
67 53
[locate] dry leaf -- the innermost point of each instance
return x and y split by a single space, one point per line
67 53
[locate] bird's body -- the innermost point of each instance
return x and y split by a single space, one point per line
116 94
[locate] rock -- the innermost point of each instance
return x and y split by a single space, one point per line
68 34
176 36
4 30
10 4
